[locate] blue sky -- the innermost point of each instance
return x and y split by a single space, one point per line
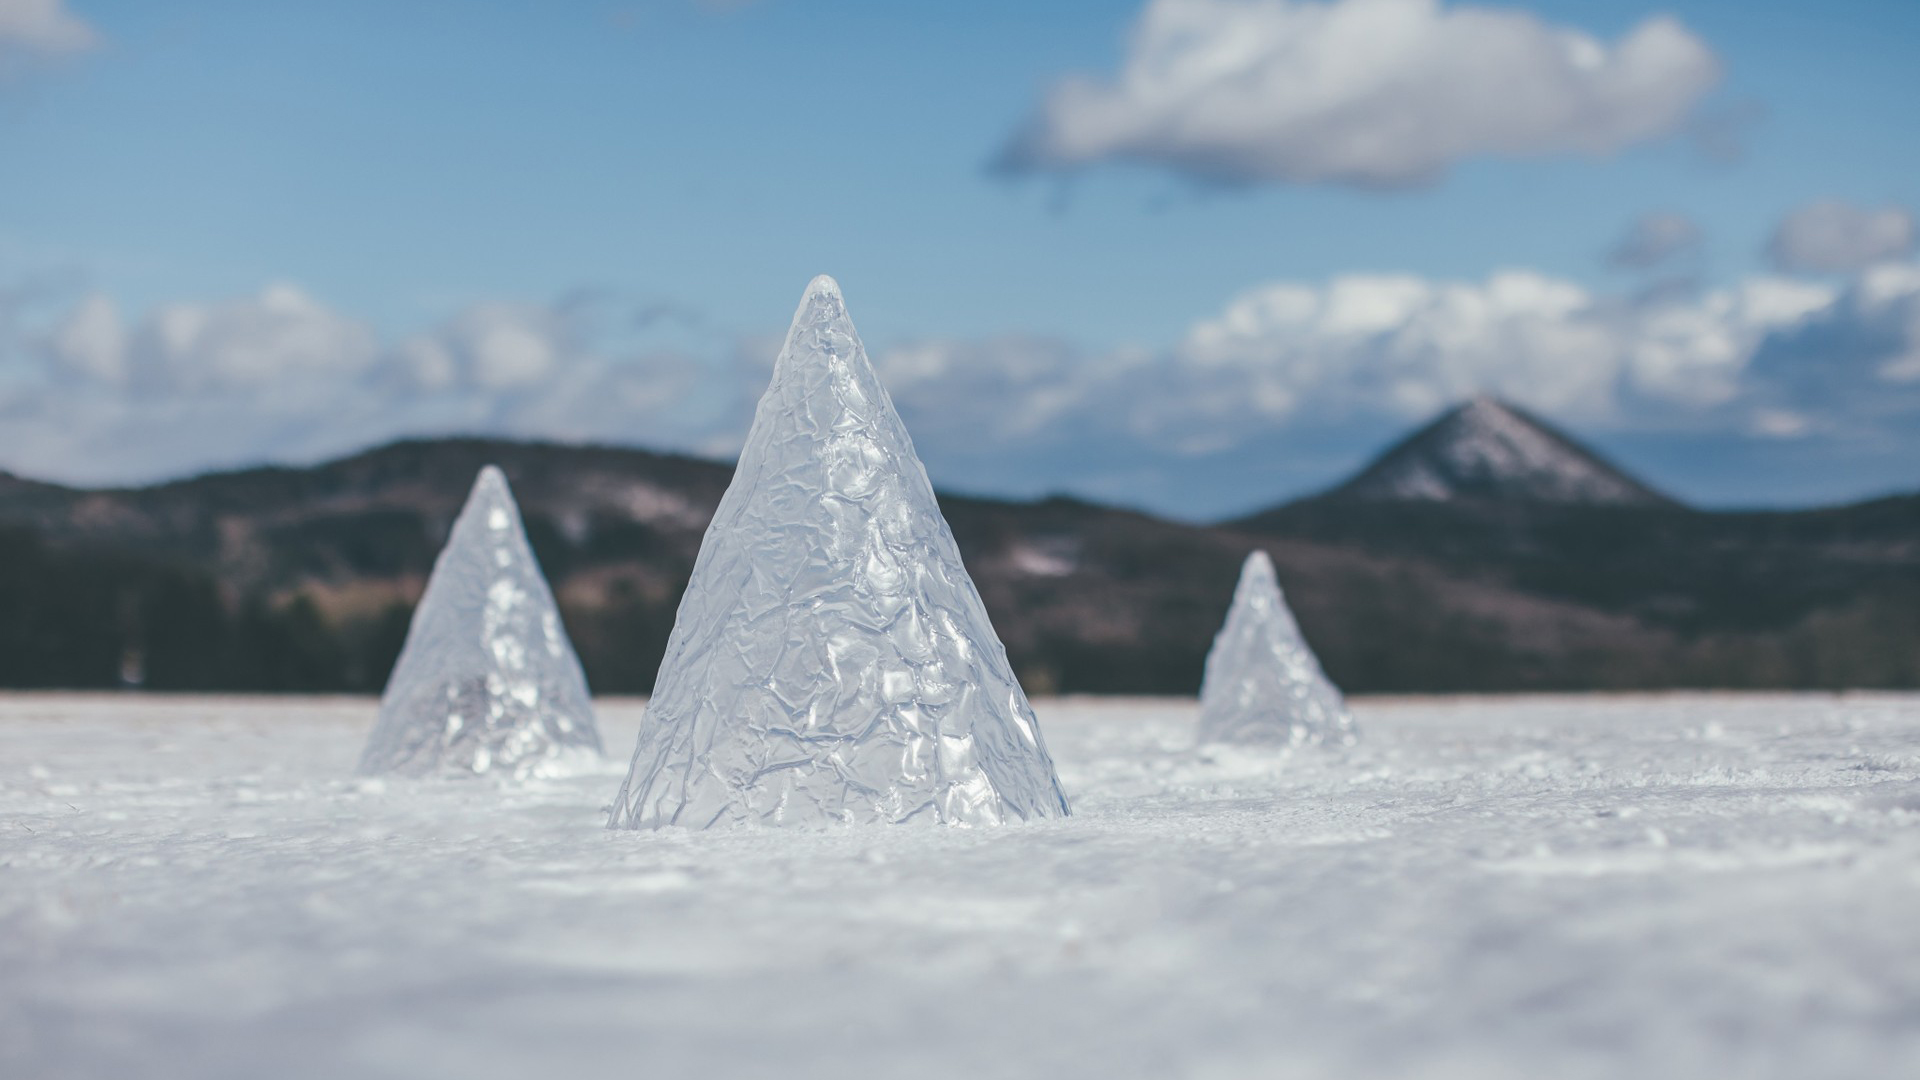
234 231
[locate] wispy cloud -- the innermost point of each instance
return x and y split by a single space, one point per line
38 30
1833 235
1655 240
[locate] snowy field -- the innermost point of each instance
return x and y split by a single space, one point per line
1534 887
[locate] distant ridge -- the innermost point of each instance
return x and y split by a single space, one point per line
1488 451
284 578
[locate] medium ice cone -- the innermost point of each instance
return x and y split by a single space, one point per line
487 681
1263 684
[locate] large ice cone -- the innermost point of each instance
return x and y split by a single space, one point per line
831 661
487 681
1263 684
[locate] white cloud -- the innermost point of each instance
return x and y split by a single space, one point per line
1696 353
1370 352
281 376
91 342
1780 423
505 346
1655 239
279 341
1831 235
41 29
1379 93
1546 343
1856 358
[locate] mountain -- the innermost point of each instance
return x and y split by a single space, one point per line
1487 450
275 579
1489 495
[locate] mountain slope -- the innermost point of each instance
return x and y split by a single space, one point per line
1490 451
1821 597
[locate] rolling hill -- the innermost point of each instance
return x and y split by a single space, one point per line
1486 552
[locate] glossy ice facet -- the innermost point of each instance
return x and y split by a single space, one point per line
832 661
487 681
1263 684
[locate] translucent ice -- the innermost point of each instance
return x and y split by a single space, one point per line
1263 684
832 661
487 681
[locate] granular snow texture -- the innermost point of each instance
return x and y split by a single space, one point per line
1680 886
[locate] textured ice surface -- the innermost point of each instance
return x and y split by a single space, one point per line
1263 684
1651 887
832 661
487 681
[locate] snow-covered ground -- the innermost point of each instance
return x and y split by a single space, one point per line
1535 887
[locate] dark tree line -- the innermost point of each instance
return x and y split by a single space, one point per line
104 619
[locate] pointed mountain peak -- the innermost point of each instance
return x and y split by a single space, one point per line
487 681
1263 684
1485 449
1486 408
831 660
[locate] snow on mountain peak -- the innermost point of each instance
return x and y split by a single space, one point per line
1487 449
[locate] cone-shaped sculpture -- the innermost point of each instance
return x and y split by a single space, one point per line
487 681
832 661
1263 684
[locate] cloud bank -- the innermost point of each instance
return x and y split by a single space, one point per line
1390 349
1279 389
89 396
1372 93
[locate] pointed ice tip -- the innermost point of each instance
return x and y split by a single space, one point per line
492 483
1257 576
821 303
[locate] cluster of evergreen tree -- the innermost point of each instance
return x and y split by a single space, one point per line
99 618
95 620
